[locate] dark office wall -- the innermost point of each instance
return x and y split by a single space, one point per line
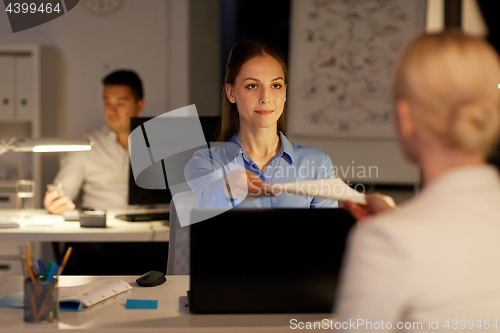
214 27
490 10
204 56
258 19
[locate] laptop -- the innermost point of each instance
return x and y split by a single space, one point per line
267 260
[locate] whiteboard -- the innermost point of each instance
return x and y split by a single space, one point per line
341 58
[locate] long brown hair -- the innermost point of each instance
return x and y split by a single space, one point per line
240 54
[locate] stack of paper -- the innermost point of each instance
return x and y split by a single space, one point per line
6 222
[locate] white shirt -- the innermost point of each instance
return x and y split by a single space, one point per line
436 259
102 172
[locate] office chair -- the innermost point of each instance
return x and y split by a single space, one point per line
178 252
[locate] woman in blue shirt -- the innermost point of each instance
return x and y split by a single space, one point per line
255 153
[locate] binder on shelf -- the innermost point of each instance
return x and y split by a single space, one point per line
25 101
6 86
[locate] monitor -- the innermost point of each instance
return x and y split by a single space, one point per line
283 260
142 196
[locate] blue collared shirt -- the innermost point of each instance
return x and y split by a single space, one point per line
204 173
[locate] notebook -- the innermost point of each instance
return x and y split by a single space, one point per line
77 298
267 260
84 297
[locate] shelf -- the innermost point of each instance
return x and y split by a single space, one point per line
20 112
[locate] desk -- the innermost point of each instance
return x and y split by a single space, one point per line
70 231
171 315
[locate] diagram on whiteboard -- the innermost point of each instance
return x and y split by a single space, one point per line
342 55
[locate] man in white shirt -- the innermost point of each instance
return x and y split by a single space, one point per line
102 173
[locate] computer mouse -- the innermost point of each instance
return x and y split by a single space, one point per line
151 279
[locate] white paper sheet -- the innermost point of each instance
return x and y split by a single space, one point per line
334 188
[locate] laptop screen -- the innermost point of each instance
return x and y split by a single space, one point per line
267 260
141 196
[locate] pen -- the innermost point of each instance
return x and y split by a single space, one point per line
35 270
28 254
28 269
46 270
33 304
64 261
42 308
41 267
51 271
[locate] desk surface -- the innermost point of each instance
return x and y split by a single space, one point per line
171 315
70 231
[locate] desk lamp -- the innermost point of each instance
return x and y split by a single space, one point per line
40 145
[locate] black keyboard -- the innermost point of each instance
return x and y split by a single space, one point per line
144 217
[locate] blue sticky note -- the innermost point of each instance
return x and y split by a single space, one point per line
141 304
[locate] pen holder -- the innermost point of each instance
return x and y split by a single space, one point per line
41 302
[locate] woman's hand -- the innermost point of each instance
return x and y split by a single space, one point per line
375 204
57 205
242 183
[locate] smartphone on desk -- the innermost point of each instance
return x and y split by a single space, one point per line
57 187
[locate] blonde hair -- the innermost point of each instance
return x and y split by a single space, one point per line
451 82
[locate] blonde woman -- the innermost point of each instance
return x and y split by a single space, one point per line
435 261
